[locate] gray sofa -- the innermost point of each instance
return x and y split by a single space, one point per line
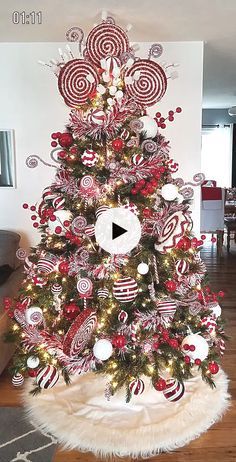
9 243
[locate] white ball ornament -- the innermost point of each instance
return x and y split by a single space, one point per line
143 268
215 309
169 192
201 347
102 349
149 129
33 362
61 217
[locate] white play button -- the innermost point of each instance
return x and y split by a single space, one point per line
117 230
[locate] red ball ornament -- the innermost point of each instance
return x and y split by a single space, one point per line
160 385
221 294
63 267
119 341
171 286
213 367
71 311
173 343
32 372
198 361
147 213
184 243
203 237
178 109
54 136
35 225
54 144
66 140
213 239
25 206
62 154
58 229
187 359
117 144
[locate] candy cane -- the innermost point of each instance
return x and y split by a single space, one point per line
155 269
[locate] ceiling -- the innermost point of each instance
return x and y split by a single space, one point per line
212 21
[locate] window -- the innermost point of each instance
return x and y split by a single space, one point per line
7 158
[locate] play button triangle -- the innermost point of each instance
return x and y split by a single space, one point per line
117 231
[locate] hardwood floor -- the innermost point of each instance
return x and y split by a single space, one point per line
219 443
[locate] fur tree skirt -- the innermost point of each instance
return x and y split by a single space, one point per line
81 418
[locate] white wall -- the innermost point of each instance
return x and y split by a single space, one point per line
32 106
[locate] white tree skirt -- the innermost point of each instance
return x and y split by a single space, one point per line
81 418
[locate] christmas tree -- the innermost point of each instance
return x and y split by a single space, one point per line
126 314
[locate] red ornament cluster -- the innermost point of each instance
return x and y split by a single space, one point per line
145 187
161 121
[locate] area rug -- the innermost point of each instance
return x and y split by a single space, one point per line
81 418
20 441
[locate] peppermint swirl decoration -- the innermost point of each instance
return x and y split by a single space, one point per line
84 287
84 255
187 192
87 182
149 146
126 56
78 225
75 34
21 254
80 333
104 40
155 51
149 82
76 81
136 125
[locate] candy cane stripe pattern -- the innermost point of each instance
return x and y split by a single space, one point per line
80 333
182 267
167 308
89 158
149 82
84 287
90 230
97 117
174 390
47 264
101 209
47 377
17 380
136 387
103 293
76 81
174 228
125 290
106 40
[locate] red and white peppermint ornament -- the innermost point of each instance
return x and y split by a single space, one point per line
103 292
97 117
80 333
77 80
84 287
78 225
146 82
123 316
173 166
17 380
101 209
125 290
56 289
137 159
89 158
174 390
105 40
166 310
87 182
47 377
137 387
182 266
34 315
90 230
209 323
47 264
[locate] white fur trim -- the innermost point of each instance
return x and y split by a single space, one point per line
81 418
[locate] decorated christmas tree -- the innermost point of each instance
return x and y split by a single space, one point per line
134 305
